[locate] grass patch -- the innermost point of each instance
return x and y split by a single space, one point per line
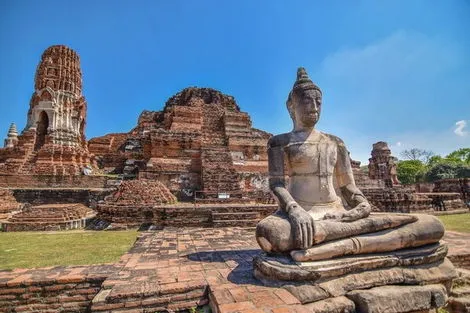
40 249
456 222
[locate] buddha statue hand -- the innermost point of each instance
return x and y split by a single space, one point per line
360 211
302 224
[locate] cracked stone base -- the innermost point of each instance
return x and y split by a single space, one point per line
372 283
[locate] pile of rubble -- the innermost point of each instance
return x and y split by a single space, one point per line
8 203
61 216
141 191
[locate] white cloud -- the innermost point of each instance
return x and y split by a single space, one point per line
391 90
459 129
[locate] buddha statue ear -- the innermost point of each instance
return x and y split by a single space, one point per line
290 106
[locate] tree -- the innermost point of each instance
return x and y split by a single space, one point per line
460 156
410 171
416 154
447 169
434 160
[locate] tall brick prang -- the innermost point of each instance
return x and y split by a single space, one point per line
53 140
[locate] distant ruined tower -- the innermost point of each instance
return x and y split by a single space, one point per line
12 137
53 140
382 164
57 107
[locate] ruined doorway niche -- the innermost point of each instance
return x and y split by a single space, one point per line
41 130
82 131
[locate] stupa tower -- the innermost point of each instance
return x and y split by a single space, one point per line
12 137
57 107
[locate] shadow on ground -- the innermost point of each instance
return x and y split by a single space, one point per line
240 262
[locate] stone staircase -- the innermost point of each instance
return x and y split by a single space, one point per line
27 166
235 219
218 173
459 301
50 217
240 216
138 296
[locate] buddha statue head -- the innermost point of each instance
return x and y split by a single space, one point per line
304 101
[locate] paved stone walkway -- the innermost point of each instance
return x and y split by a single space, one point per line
181 261
198 263
178 268
459 243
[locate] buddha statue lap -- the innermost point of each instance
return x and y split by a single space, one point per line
313 222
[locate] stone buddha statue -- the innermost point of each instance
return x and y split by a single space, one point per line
322 214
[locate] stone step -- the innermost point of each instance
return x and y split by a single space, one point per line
236 223
461 292
457 305
152 298
238 209
235 216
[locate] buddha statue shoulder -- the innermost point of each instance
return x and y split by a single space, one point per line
322 213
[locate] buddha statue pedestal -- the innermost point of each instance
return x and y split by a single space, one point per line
328 250
353 283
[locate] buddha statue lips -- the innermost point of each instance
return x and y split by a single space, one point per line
313 222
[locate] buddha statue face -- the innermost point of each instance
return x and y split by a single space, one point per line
304 102
306 105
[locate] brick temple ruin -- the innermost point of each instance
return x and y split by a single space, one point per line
382 165
41 167
53 141
200 148
203 149
382 188
199 145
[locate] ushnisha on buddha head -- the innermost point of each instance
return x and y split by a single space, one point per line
304 102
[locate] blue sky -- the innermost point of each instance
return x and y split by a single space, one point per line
397 71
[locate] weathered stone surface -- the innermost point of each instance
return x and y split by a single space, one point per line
459 301
382 164
307 292
426 230
459 305
398 299
332 305
285 269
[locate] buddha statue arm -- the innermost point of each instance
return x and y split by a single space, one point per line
358 204
302 222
